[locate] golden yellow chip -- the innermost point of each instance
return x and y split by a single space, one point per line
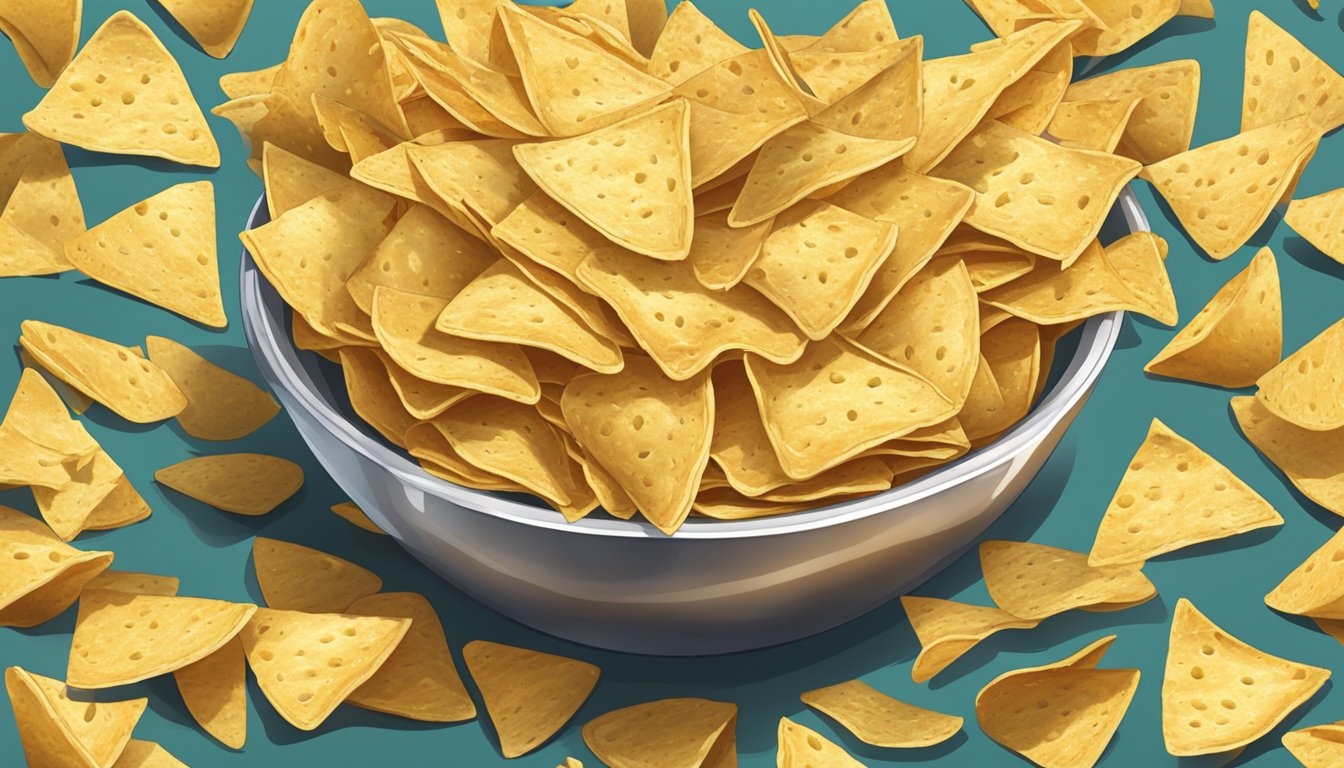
147 754
220 404
881 720
136 583
418 680
1320 219
495 103
1313 588
100 104
722 141
689 44
44 575
1200 9
44 34
1174 495
424 254
57 731
1035 581
372 395
214 689
216 26
308 663
529 695
241 483
426 442
39 205
1304 388
236 85
1282 75
1029 103
122 638
1236 338
97 495
479 179
1319 746
116 376
351 513
1096 125
690 732
1311 460
351 131
1060 714
832 74
722 254
1163 119
1219 694
802 747
293 577
947 630
292 181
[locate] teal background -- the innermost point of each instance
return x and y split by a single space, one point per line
209 549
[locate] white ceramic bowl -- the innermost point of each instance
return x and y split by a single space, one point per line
714 587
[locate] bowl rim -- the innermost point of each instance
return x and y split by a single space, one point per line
276 355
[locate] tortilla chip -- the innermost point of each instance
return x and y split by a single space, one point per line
1303 389
147 754
45 35
134 388
220 404
215 692
241 483
1059 714
420 399
215 26
721 254
1035 581
135 583
1311 460
493 103
833 74
122 638
801 747
292 181
1319 746
881 720
1212 676
236 85
351 131
36 413
423 254
1020 178
1313 589
39 203
372 395
55 730
1032 101
100 104
693 732
72 398
308 663
45 576
529 695
1282 75
419 680
689 44
1163 119
293 577
947 630
1257 166
1094 125
351 513
480 180
1320 219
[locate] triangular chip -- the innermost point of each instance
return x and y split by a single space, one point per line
609 91
45 35
236 85
947 630
721 254
43 575
493 101
146 754
1304 388
351 513
216 26
37 413
1060 714
1319 746
220 405
631 181
372 395
833 74
1095 125
241 483
1163 119
1236 338
1223 191
292 181
834 403
689 44
39 205
215 692
116 376
293 577
1174 495
802 747
1283 79
1311 460
136 583
57 731
672 732
650 433
1218 693
1024 184
479 178
308 663
1035 581
1314 588
101 104
881 720
1320 219
529 695
419 680
122 638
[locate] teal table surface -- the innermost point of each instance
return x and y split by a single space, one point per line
209 549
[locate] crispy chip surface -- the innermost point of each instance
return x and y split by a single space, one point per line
215 691
1320 219
879 719
1313 588
1312 460
241 483
1304 388
802 747
44 34
220 405
691 732
137 583
529 695
55 730
947 629
298 578
216 26
1281 75
1163 118
44 575
1035 581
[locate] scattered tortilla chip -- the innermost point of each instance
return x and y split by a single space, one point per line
690 732
351 513
292 180
214 689
1311 460
135 583
293 577
134 388
147 754
236 85
880 720
1257 166
1200 9
1320 219
1094 125
947 630
1282 75
308 663
802 747
74 399
241 483
650 433
220 405
1304 388
689 44
55 730
1174 495
1212 676
100 104
1035 581
39 205
45 35
1319 746
122 638
529 695
419 680
1060 714
1313 588
1019 179
215 26
45 575
1163 119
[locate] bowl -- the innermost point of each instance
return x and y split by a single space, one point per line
714 587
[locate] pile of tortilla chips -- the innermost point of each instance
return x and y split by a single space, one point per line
610 262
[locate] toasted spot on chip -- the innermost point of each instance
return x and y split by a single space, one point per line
220 405
529 695
879 719
298 578
43 575
215 691
687 731
241 483
1035 581
947 630
55 730
1304 388
1312 460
